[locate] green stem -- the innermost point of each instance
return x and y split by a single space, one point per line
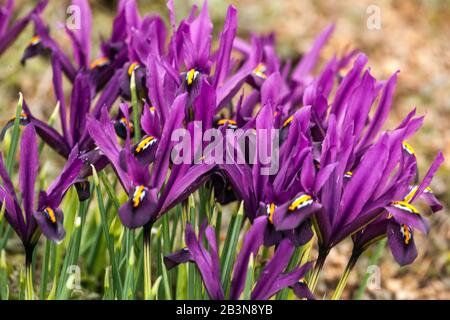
147 261
344 278
29 292
45 264
314 279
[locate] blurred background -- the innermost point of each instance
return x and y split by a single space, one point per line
413 37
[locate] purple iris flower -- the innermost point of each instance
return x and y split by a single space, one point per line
27 218
9 32
113 52
400 219
189 59
142 168
272 279
74 133
370 172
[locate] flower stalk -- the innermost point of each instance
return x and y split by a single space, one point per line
147 261
314 279
344 278
29 290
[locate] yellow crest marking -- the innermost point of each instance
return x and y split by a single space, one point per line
301 202
126 123
99 62
288 121
50 214
231 123
260 71
270 209
191 75
145 143
408 148
133 68
406 233
138 195
405 206
34 40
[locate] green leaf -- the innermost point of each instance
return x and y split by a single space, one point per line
4 288
45 270
128 288
117 283
249 280
229 254
167 290
108 293
73 251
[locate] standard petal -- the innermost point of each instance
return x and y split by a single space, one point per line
79 106
65 179
82 45
28 169
225 46
310 59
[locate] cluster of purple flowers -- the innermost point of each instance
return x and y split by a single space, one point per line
339 174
